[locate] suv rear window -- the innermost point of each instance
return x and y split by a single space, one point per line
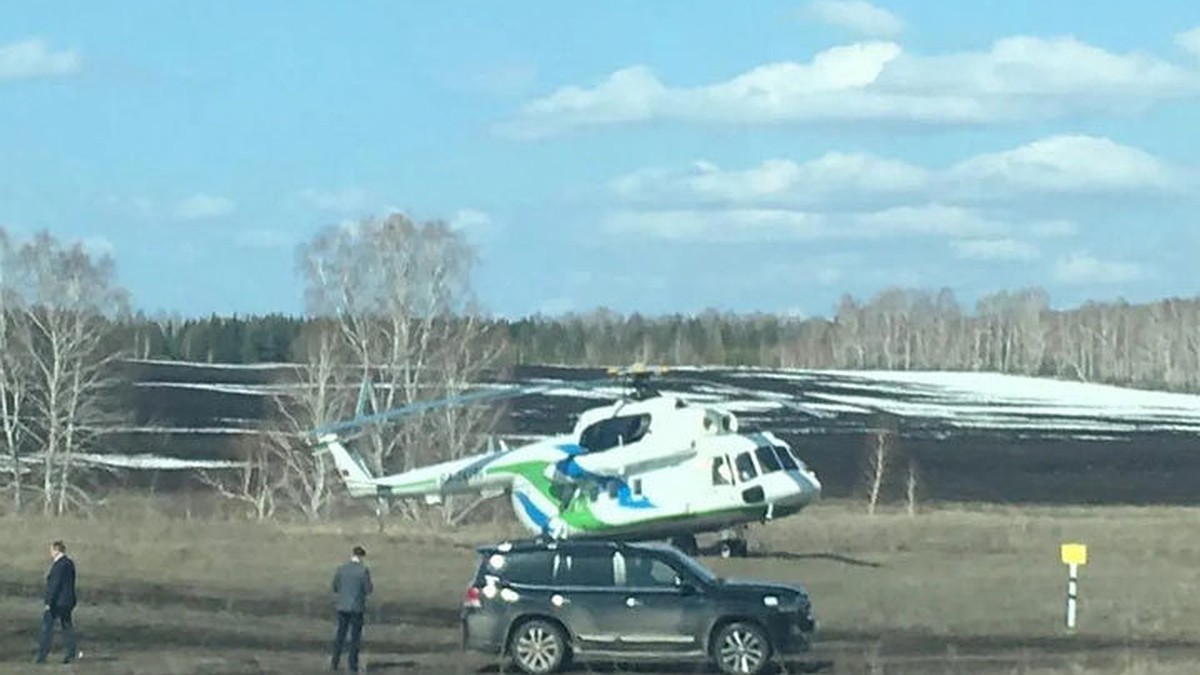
523 567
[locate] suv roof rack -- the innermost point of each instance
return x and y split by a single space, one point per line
539 543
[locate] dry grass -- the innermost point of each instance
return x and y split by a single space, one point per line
952 585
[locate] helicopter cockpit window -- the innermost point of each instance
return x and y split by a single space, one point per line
767 459
796 456
785 458
745 467
721 475
614 431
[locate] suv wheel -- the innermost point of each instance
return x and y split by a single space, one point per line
741 648
538 647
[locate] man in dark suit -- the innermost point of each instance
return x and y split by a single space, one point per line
351 586
60 602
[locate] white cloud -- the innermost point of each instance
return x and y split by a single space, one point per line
1083 268
829 177
1017 78
1054 229
831 269
925 220
264 239
767 225
994 249
470 219
344 200
32 58
1189 40
740 225
1084 166
860 17
202 206
1074 164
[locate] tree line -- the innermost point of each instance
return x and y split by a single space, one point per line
391 299
1155 345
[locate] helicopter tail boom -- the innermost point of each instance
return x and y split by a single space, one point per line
350 466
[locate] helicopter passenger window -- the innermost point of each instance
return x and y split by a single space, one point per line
745 467
614 431
785 458
767 459
720 471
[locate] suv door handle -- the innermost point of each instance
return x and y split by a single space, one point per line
632 602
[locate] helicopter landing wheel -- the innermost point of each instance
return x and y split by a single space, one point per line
686 543
733 548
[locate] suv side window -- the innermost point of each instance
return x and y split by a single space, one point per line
644 571
523 567
592 569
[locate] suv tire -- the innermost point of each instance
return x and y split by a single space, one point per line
741 648
538 647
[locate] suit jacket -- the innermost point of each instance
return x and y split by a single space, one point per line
351 586
60 584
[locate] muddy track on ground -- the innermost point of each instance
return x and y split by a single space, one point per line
237 628
230 635
914 643
113 592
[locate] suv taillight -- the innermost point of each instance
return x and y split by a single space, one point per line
473 598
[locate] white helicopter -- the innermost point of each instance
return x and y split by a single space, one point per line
649 466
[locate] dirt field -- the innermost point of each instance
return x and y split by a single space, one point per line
947 591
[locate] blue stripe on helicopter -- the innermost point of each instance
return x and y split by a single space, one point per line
533 512
571 469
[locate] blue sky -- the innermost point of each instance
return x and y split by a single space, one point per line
657 157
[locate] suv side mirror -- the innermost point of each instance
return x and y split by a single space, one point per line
686 588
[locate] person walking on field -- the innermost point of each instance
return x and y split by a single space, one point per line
351 586
59 603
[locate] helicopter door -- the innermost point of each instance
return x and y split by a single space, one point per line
722 473
747 472
722 490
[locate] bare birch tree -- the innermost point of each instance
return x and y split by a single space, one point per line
877 464
69 298
910 487
13 369
322 394
399 293
256 483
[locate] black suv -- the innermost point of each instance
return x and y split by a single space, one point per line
542 603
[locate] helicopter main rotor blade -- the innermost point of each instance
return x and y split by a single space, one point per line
772 398
419 407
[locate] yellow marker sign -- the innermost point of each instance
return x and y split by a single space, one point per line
1074 554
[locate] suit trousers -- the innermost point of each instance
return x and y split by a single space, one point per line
350 623
62 615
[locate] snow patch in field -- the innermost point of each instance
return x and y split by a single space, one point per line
140 462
